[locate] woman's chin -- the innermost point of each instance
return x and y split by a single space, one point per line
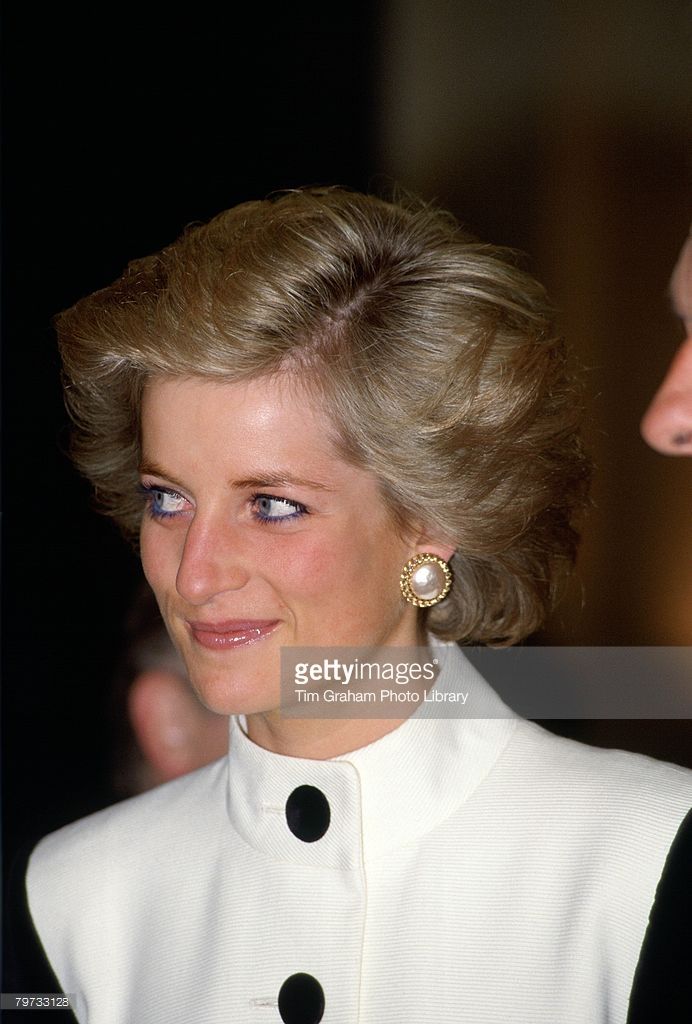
236 682
223 697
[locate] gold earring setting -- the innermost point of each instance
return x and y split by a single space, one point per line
425 580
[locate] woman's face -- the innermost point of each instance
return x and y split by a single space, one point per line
257 536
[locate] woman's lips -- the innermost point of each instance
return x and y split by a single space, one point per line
231 633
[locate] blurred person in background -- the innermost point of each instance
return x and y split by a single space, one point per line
667 424
662 988
161 728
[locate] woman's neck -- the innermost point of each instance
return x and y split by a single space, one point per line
317 738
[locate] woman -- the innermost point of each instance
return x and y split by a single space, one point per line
337 422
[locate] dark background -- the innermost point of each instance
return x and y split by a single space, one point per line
562 132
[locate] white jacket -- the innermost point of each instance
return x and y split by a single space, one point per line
472 870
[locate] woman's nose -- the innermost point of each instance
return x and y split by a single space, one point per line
667 424
212 562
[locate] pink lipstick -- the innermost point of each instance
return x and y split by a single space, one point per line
232 632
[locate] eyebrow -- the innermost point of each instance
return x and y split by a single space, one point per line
148 468
278 480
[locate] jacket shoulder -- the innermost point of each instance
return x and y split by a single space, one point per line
604 777
121 848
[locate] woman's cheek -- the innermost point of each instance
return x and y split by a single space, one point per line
306 566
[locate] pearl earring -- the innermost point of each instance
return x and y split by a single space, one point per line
425 580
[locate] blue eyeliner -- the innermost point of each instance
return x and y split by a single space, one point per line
153 504
155 494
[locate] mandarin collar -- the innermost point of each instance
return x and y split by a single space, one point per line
381 796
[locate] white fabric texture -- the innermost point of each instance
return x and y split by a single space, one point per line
474 870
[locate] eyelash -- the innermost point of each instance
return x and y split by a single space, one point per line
149 492
300 510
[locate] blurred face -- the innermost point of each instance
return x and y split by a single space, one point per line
256 535
667 425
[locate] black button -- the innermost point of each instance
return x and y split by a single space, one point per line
307 813
301 999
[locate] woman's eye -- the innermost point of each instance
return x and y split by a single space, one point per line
162 502
269 509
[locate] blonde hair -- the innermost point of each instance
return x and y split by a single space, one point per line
435 356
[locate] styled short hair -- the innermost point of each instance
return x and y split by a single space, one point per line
434 355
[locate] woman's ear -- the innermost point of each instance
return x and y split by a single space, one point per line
424 540
443 551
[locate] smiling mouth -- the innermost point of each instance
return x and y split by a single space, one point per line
231 634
